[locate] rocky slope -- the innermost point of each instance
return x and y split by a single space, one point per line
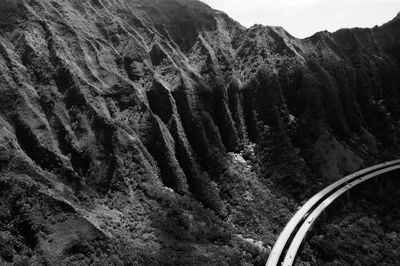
164 132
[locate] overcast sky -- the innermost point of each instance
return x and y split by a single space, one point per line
302 18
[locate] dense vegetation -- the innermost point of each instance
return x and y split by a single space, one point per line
362 231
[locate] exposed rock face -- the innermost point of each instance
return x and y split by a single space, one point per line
116 118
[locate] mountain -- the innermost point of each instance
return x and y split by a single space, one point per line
164 132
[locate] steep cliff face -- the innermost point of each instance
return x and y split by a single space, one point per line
121 124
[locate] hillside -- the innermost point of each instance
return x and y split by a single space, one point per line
164 132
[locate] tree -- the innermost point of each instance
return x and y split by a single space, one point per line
8 8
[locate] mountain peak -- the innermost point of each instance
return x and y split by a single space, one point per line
397 17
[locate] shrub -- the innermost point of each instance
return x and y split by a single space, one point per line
9 8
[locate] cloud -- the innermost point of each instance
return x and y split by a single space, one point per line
302 18
296 3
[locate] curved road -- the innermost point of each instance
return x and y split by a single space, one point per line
295 231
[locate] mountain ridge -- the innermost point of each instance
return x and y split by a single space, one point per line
155 132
